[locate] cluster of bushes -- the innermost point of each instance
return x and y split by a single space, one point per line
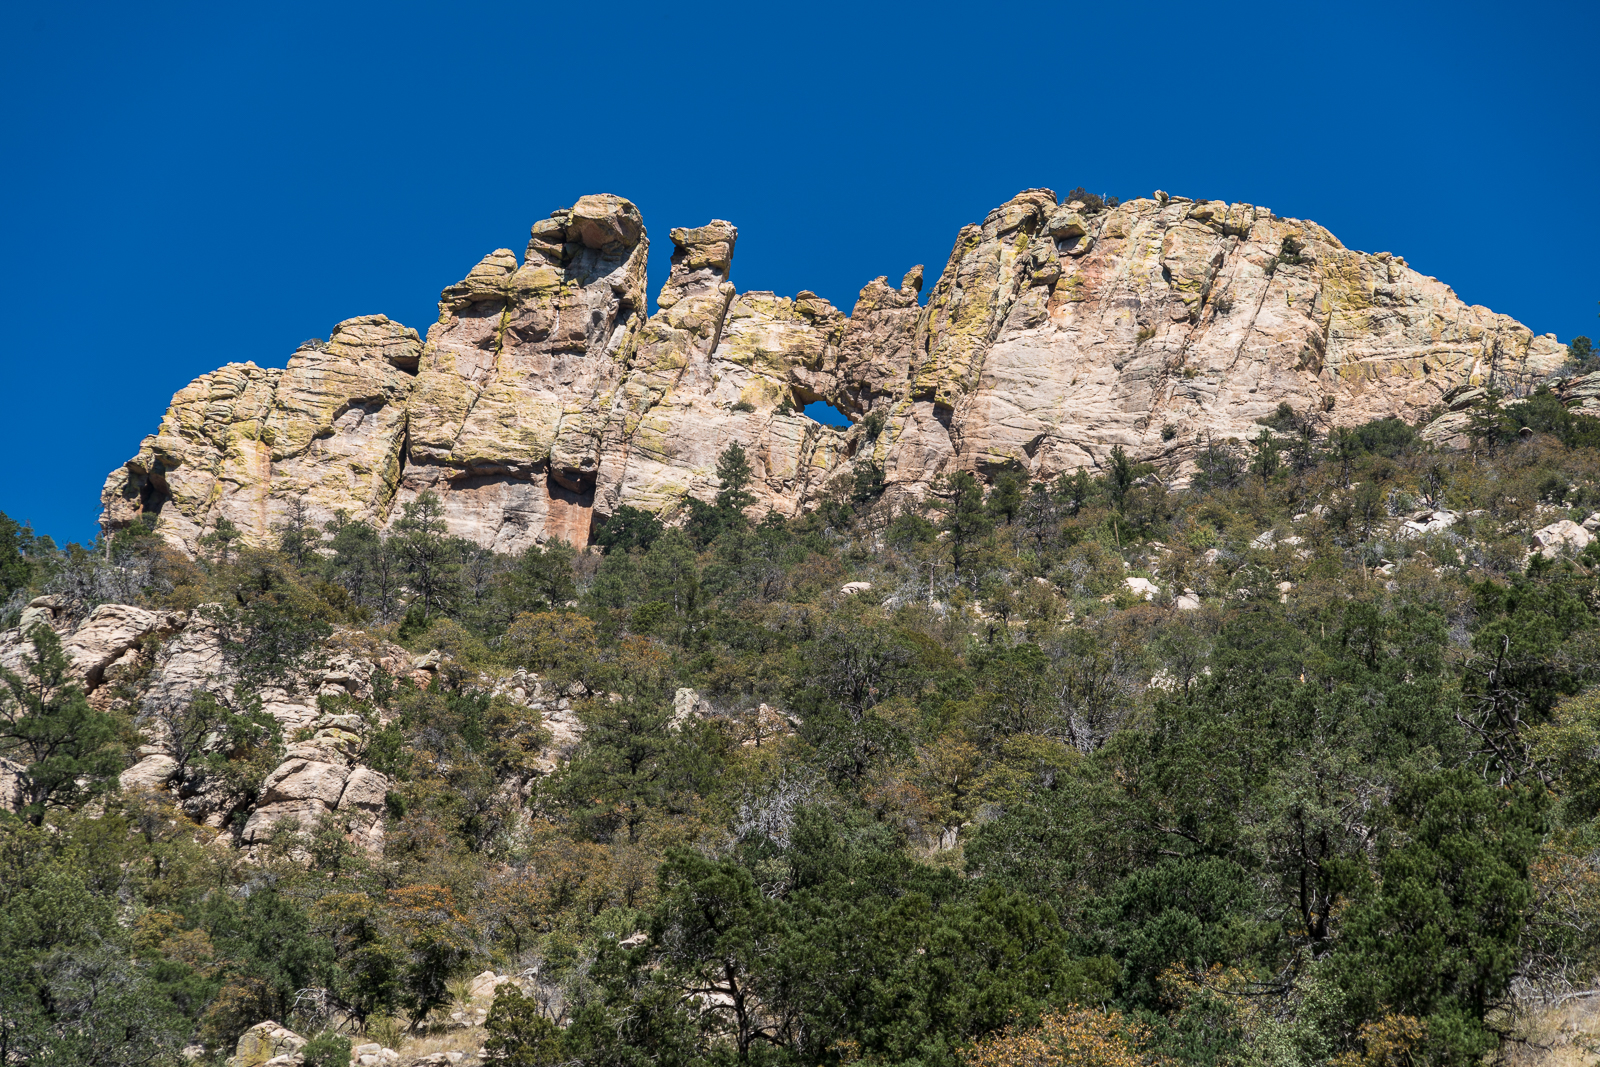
1007 806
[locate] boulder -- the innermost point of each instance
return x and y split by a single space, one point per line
364 790
264 1042
152 772
109 632
45 610
1427 521
299 791
1142 587
686 705
303 779
1562 537
484 985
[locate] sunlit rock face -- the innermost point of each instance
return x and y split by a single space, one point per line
546 396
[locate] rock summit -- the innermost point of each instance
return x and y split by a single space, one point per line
547 395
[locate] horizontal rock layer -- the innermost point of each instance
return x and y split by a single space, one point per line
545 396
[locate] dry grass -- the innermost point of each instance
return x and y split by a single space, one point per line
1566 1035
465 1039
438 1035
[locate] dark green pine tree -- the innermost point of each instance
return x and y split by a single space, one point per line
69 751
965 519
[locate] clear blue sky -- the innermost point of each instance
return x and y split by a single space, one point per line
189 184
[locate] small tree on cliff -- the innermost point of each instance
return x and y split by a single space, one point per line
707 522
431 559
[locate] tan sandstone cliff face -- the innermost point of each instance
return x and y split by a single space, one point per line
545 397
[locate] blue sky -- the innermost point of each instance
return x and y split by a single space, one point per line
191 184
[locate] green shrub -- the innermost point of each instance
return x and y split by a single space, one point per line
1091 202
628 528
1382 437
519 1035
327 1050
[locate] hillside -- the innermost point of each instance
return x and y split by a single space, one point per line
503 698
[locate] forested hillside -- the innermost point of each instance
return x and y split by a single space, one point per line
1293 765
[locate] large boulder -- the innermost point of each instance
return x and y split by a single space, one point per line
1143 588
110 631
1561 537
41 609
302 790
263 1042
299 791
152 772
361 808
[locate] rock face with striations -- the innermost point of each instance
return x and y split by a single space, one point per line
545 396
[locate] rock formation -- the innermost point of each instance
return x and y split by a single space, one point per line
149 664
546 396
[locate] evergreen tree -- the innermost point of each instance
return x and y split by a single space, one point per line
1005 498
16 545
734 474
520 1035
707 522
1435 935
71 991
366 565
541 579
866 484
222 539
1268 458
965 520
272 627
1075 492
298 539
629 528
1119 475
68 751
1488 424
432 561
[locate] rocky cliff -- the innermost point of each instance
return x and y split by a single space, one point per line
546 396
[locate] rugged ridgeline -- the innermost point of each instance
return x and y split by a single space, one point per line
545 396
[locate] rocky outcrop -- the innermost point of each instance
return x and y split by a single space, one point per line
321 777
110 633
545 397
1561 536
249 444
177 654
